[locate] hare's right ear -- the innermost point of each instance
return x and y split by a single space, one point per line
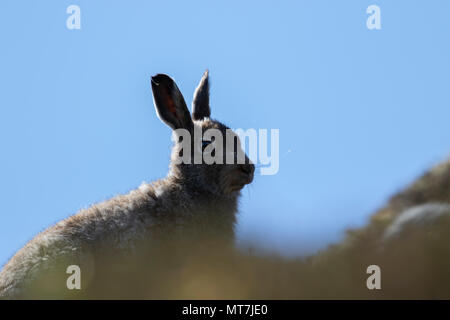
200 104
169 103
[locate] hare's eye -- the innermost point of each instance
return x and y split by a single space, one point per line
205 143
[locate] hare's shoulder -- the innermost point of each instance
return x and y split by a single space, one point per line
111 222
115 223
115 217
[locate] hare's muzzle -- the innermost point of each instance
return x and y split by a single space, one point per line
247 172
240 176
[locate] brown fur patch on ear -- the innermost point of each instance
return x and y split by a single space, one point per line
170 103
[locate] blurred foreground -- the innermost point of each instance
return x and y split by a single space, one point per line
414 262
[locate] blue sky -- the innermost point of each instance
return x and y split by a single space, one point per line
363 112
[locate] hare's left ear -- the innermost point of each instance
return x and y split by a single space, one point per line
200 104
169 103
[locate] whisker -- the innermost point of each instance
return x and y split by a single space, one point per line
258 166
286 153
258 172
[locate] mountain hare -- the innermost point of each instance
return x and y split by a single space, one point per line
194 199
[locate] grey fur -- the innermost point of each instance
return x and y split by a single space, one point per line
193 199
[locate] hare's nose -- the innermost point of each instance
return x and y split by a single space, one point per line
248 168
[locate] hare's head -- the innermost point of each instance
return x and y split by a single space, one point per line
207 156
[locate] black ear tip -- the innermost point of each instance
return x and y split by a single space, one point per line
205 77
154 81
161 78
